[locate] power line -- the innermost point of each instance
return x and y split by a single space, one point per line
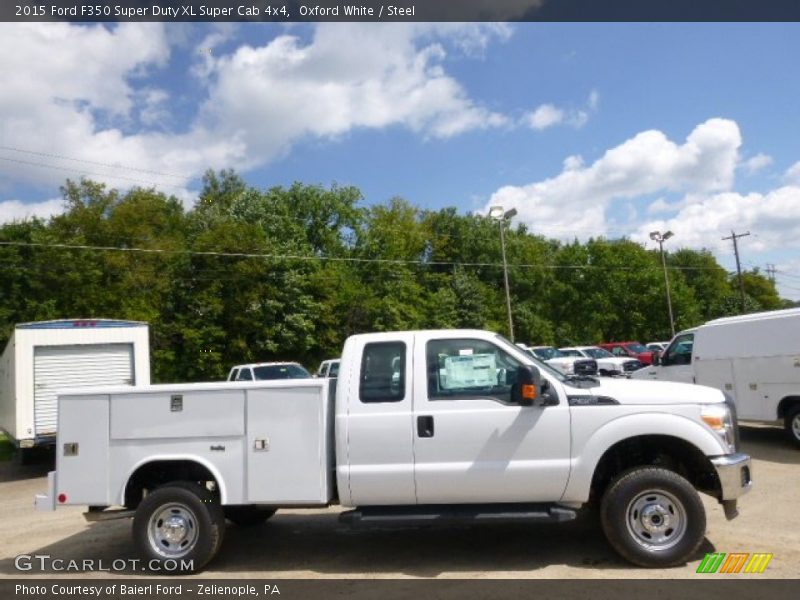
93 162
319 257
80 172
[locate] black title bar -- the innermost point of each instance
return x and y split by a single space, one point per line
398 10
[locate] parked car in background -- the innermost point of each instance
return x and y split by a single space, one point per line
607 363
328 368
268 370
630 349
754 358
569 365
657 346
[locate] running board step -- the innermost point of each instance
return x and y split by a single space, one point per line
435 514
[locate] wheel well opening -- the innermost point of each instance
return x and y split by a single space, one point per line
663 451
785 405
157 473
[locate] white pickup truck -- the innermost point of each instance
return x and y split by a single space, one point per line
423 427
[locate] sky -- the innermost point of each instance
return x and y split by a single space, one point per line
586 129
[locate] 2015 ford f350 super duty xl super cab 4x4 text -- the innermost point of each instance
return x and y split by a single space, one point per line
422 427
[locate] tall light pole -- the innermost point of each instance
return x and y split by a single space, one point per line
659 237
502 216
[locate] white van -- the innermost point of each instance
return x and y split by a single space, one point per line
755 358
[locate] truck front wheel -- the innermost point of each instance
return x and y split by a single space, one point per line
792 424
178 528
653 517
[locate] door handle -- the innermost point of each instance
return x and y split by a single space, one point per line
425 426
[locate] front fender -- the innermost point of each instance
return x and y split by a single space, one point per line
588 450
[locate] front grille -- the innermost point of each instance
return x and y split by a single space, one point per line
633 365
586 367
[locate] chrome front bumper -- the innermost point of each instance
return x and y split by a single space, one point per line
735 479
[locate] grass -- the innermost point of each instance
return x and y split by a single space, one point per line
6 448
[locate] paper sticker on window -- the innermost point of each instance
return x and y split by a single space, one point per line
477 370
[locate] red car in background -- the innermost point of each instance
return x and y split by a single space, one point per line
631 349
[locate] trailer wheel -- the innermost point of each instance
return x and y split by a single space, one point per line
248 515
792 424
178 527
653 517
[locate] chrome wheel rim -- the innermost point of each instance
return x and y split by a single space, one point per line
656 520
796 426
173 530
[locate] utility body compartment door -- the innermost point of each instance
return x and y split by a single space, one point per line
471 443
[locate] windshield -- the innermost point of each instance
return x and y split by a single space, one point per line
546 353
637 347
266 372
571 353
598 353
537 362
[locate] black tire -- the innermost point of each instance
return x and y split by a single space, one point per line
248 515
198 513
653 517
791 424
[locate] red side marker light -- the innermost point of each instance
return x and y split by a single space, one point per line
62 498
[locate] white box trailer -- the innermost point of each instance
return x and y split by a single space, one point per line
44 357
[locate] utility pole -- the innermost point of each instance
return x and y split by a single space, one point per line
771 272
734 237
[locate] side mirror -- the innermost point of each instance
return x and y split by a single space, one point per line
528 387
656 359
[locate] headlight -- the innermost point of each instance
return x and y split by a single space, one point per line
718 417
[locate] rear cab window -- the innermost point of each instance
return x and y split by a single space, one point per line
383 372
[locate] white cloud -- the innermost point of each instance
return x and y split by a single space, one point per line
756 163
272 96
575 202
793 173
14 210
70 92
544 116
550 115
772 218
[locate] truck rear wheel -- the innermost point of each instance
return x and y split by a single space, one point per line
247 515
178 528
653 517
792 424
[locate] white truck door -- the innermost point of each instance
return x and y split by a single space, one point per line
380 461
471 444
676 362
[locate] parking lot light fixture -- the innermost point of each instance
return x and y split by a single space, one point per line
659 237
501 215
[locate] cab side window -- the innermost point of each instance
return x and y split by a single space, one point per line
680 350
619 351
466 369
383 372
245 374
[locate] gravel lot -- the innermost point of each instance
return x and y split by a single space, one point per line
312 544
